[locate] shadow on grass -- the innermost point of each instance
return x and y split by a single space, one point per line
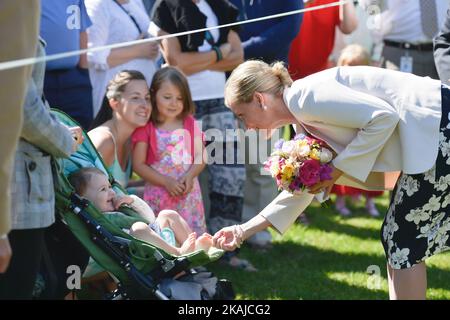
293 271
327 219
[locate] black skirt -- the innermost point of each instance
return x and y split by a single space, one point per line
417 224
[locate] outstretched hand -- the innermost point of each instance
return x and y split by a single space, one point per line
227 238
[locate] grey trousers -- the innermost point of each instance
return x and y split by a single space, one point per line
423 61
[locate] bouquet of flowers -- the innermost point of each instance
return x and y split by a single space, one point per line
299 163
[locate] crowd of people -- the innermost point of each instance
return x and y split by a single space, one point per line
134 100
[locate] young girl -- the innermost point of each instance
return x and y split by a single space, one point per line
168 158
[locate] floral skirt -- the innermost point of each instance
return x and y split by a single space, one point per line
417 224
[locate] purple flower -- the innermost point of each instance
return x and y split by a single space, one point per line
325 172
296 184
279 144
310 172
299 136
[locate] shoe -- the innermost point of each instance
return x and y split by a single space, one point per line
239 263
260 240
342 208
303 219
372 209
344 211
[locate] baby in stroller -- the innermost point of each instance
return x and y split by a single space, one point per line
169 231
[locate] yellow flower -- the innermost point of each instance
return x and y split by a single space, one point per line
287 171
302 143
314 154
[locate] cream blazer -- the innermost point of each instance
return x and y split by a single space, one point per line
377 121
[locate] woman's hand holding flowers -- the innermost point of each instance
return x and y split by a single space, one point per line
326 185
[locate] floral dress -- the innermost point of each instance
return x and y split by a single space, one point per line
174 161
417 224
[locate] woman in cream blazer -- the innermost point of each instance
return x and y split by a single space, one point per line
377 121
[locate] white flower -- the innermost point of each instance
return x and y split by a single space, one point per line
434 204
398 199
442 138
417 215
402 181
325 155
390 227
411 186
445 149
288 147
429 230
443 183
430 175
399 257
441 239
446 201
303 150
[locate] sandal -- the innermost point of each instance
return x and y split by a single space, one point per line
239 263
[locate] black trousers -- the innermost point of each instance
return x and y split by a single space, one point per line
27 247
62 250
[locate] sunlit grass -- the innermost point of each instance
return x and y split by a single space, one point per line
332 258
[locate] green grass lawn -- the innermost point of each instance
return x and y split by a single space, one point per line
331 258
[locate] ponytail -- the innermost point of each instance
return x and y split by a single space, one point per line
256 76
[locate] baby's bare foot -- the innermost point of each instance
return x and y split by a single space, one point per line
189 244
204 242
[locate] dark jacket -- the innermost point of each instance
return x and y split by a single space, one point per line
174 16
442 51
270 39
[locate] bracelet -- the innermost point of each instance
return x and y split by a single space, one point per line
218 53
238 235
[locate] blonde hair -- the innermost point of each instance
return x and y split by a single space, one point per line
256 76
353 55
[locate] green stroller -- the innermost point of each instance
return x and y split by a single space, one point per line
138 268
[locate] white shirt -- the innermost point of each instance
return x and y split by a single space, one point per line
110 24
207 84
401 20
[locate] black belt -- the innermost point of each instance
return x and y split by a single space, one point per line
410 46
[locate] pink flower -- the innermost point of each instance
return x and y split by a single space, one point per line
310 172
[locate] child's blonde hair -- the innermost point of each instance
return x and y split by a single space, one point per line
354 55
255 76
178 79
